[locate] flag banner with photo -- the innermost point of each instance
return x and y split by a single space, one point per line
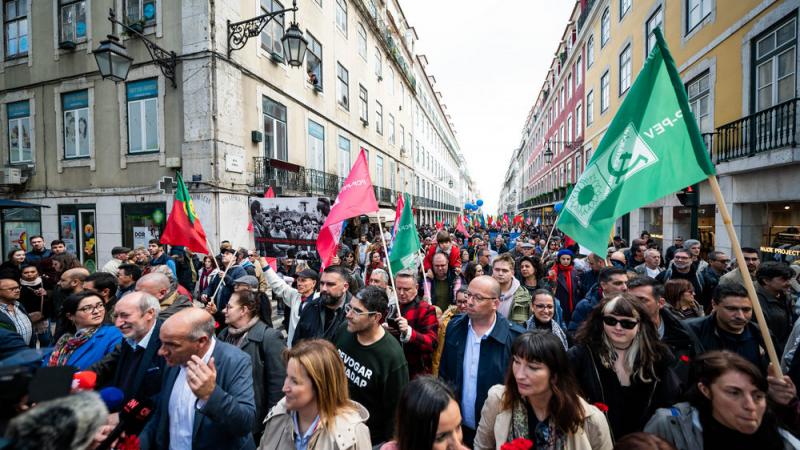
652 148
288 225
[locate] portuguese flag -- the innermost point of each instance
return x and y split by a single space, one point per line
183 226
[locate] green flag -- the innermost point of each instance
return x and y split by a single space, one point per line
652 148
404 254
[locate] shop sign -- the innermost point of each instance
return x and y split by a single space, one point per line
780 251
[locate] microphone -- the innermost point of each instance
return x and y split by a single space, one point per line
113 397
132 419
84 381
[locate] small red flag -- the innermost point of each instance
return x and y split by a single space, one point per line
270 193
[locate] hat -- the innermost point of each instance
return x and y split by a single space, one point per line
117 250
248 280
525 245
307 273
177 250
565 251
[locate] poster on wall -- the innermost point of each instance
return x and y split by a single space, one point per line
68 232
17 237
142 235
284 224
88 240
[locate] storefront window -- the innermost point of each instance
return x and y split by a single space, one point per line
654 224
781 240
77 228
682 217
142 222
19 224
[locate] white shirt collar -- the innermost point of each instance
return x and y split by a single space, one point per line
145 340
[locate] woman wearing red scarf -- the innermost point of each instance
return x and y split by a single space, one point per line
566 281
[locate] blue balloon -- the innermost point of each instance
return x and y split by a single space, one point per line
558 206
479 203
467 206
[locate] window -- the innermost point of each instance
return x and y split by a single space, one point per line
72 20
590 52
19 132
378 69
605 28
624 7
315 159
569 86
342 86
379 170
363 105
142 115
362 41
655 21
402 137
344 156
392 172
589 108
314 62
273 33
604 92
699 92
561 100
578 165
341 16
578 72
579 120
625 70
391 130
140 12
568 138
696 11
775 61
75 106
378 117
274 129
15 28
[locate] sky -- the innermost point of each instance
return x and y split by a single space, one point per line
489 60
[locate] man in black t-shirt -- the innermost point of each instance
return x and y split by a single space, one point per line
376 368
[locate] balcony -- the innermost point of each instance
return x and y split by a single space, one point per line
385 196
382 30
770 129
289 178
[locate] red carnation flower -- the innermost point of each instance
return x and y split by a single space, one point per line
684 359
602 407
216 324
129 443
518 444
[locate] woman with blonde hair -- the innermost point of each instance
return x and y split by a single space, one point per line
316 411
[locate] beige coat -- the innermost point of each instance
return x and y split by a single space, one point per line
349 431
495 424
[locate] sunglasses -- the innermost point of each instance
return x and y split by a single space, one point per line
624 323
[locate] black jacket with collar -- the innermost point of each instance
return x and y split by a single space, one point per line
312 324
705 336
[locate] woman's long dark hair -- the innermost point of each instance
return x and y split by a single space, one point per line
469 271
646 350
422 402
544 347
537 267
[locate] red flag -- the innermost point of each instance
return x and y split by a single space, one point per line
490 220
399 211
183 226
356 197
270 193
505 219
460 226
568 241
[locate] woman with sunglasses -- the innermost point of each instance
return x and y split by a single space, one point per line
679 295
727 409
620 362
541 402
86 339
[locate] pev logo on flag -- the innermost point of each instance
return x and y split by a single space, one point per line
630 155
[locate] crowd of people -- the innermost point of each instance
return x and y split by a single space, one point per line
502 339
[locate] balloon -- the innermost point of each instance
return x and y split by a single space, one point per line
558 206
479 202
467 206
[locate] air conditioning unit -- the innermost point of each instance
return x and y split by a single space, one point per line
11 175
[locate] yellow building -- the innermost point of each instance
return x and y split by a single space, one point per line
738 60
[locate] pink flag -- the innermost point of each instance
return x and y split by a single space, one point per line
460 226
270 193
356 197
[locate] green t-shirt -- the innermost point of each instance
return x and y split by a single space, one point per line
377 375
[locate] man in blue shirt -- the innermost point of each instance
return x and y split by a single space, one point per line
37 252
477 351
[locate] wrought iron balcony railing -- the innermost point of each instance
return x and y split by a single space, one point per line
766 130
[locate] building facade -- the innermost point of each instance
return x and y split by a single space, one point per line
738 62
101 157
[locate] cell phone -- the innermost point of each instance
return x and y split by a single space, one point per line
392 322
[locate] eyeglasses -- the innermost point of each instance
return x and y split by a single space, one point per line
478 298
15 288
92 308
541 307
624 323
348 309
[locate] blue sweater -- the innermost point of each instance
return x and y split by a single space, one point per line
103 341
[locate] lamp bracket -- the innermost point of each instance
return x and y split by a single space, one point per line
165 60
240 32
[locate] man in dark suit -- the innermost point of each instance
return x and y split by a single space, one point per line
207 399
135 365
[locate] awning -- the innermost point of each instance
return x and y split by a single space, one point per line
15 204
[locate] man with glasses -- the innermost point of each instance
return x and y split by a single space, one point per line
683 268
416 326
374 363
322 316
752 258
13 316
477 349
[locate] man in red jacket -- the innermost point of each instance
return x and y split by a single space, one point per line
417 327
444 245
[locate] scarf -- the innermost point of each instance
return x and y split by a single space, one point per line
67 344
567 271
236 335
205 277
545 436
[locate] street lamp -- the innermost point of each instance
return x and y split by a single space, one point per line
112 59
294 44
548 155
